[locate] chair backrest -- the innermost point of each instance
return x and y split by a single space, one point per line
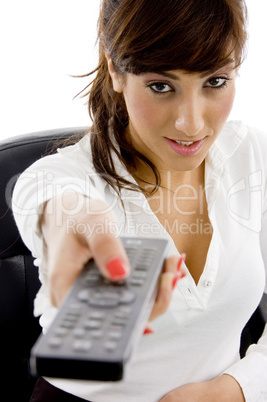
19 280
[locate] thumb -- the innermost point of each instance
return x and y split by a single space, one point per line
110 256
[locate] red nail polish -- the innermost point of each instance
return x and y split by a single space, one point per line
148 331
179 274
116 269
181 261
175 279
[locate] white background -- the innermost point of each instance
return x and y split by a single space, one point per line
44 42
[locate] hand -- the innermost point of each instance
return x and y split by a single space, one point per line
221 389
75 229
73 235
172 272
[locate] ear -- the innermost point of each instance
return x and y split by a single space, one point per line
115 77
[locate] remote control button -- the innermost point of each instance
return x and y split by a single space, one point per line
71 317
119 322
137 282
131 251
151 250
110 346
79 332
115 335
55 342
141 266
83 295
60 331
97 334
140 274
104 303
124 310
91 278
145 260
74 309
82 345
92 324
97 315
122 314
104 299
67 324
127 296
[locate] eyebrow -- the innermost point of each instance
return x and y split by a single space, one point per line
202 75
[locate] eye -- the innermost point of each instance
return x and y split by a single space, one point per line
160 87
217 82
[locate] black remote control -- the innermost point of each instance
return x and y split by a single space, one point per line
100 322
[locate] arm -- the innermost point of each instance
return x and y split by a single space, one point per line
221 389
246 380
251 371
53 199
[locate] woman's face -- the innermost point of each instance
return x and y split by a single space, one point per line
175 117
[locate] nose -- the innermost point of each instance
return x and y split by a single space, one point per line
190 116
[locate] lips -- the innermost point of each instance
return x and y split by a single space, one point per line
185 148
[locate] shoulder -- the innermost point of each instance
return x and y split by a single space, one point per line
79 152
255 145
238 138
249 159
259 136
73 160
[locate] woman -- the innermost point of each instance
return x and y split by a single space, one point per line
161 160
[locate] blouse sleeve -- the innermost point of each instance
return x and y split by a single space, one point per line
48 177
251 371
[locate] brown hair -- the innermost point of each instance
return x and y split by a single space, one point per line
154 36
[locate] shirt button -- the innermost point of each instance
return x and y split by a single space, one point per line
208 284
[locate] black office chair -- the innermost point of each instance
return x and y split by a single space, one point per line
19 281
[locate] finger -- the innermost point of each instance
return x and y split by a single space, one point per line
180 271
171 264
72 252
173 271
105 245
175 263
110 256
70 249
164 295
65 261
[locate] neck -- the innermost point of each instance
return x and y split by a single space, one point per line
171 179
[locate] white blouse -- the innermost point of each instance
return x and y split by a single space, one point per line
198 338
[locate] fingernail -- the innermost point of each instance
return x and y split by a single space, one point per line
179 274
181 261
148 331
175 280
116 269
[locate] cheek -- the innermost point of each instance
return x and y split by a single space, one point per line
142 113
228 101
226 105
